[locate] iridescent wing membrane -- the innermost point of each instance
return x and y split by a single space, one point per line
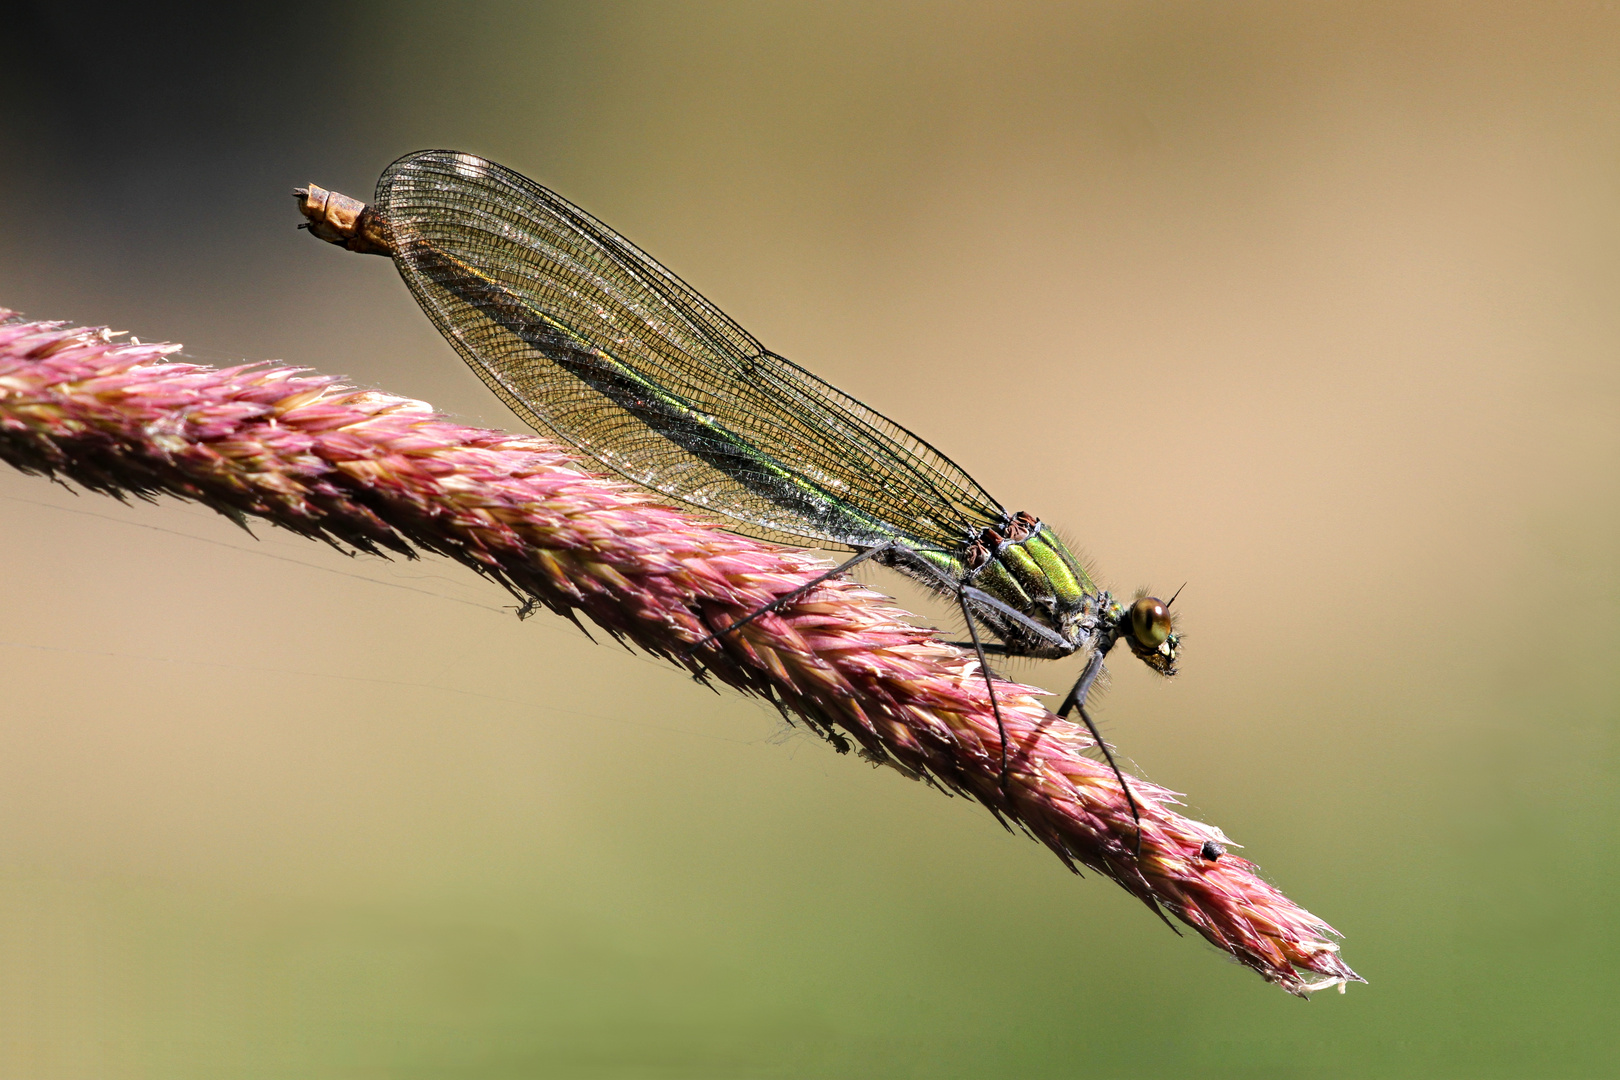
585 335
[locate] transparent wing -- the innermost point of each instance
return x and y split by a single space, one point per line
586 336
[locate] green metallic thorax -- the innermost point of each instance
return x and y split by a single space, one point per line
1037 576
1036 572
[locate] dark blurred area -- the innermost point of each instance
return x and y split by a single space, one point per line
148 140
159 87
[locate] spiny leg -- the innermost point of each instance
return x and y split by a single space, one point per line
965 592
786 597
984 669
1136 814
1076 699
1046 633
961 588
990 648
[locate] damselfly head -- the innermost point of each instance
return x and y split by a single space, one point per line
1151 634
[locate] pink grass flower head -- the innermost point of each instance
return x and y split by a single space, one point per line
376 473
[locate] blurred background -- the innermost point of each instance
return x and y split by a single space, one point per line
1312 307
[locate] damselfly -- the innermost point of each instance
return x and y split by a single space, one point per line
586 336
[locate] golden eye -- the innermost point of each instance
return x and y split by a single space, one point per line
1150 622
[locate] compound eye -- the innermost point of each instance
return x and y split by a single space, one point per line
1150 622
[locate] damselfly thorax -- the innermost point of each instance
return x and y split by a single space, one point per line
1040 601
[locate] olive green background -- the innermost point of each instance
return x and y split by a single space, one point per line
1315 307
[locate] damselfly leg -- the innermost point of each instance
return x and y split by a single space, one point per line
1076 699
789 597
963 594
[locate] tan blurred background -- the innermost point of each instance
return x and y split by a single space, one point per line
1313 307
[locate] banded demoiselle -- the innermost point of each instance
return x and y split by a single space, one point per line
588 337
